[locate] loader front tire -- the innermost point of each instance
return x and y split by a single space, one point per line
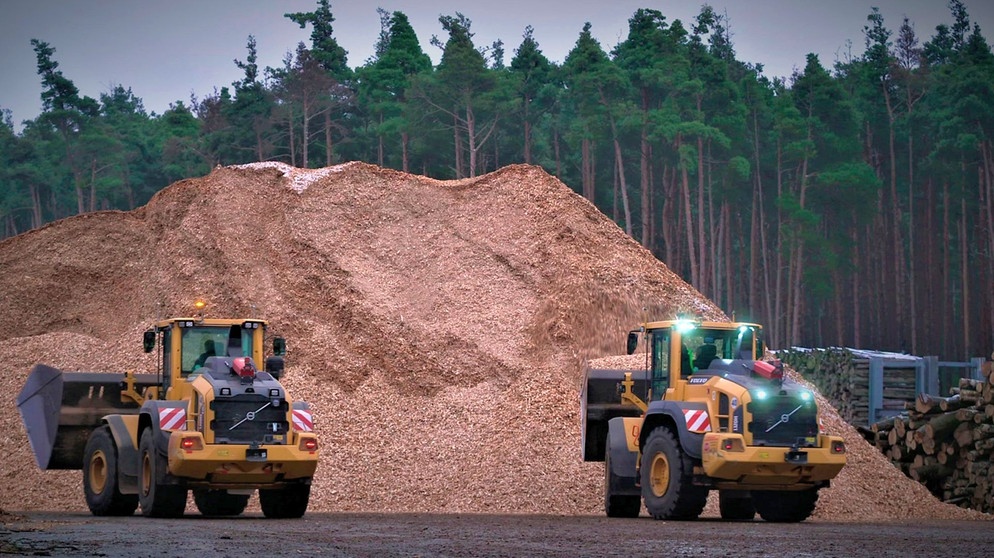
157 499
100 487
667 475
285 503
616 505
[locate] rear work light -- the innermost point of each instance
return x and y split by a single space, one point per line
838 447
191 443
308 444
732 444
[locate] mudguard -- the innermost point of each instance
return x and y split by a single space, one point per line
690 421
621 440
163 417
124 429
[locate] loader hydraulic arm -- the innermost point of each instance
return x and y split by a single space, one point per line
628 396
129 393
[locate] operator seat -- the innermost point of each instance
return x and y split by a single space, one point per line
705 354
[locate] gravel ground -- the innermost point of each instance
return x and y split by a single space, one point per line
465 535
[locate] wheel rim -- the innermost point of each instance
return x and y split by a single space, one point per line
659 474
98 472
146 474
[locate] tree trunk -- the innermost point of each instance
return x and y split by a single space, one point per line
624 187
965 274
777 318
293 138
305 138
666 221
458 146
644 183
329 152
701 240
471 137
379 143
620 164
587 171
987 185
528 134
36 214
947 317
689 223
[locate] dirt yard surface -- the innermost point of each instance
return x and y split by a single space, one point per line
360 535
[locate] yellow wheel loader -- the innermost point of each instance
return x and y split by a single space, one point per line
706 413
208 421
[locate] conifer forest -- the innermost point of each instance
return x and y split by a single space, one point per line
844 205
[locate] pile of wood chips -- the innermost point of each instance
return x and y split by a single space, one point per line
438 329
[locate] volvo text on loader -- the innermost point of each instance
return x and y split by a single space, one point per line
208 421
706 413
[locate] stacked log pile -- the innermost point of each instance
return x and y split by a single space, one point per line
946 443
843 377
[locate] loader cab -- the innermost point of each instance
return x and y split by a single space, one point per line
186 343
681 348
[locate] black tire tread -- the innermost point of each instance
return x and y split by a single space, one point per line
617 505
683 500
285 503
110 502
162 500
219 503
785 506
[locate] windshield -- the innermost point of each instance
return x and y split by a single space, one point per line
201 342
705 345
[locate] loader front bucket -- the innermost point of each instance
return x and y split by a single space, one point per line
600 402
60 409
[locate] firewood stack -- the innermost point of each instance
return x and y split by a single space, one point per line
946 442
843 377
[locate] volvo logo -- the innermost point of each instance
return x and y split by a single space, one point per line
783 418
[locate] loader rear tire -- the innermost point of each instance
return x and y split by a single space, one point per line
736 505
157 499
783 506
100 487
285 503
616 505
219 503
667 479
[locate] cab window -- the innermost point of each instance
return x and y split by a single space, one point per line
660 363
202 342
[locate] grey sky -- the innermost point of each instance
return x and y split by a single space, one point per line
167 50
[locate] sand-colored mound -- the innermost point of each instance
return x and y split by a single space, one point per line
437 328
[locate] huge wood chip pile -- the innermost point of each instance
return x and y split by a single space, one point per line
438 329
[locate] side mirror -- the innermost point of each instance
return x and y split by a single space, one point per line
148 340
633 341
279 346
